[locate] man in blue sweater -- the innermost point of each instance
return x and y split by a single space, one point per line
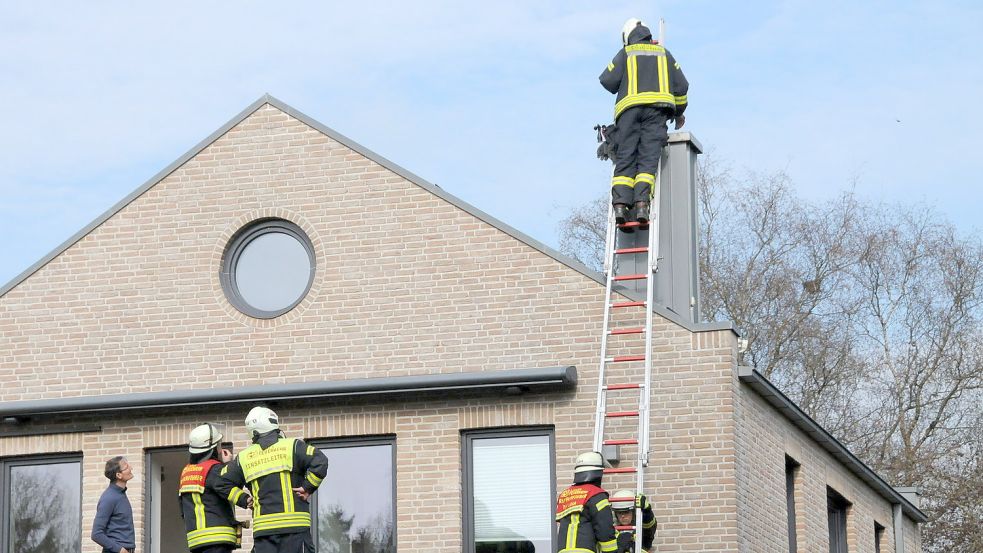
113 526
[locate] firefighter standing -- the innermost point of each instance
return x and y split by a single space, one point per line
209 517
282 473
624 503
651 89
583 511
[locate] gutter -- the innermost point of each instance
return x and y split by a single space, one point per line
510 381
791 411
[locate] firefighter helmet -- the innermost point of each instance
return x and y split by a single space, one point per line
623 500
588 467
203 438
261 420
628 27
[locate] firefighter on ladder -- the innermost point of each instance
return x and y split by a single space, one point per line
624 503
282 473
583 511
209 517
651 90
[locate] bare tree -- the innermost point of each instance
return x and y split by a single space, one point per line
870 317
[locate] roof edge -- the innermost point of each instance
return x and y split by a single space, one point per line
550 378
804 422
118 206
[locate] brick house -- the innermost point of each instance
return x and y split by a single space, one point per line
445 362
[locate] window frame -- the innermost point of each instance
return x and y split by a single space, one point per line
467 473
33 460
839 507
238 244
879 531
792 468
358 441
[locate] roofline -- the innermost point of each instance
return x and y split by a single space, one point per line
793 413
395 168
552 378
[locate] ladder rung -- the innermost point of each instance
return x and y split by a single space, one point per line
641 276
613 414
624 528
621 499
628 304
623 386
638 330
626 358
633 224
621 442
631 250
620 471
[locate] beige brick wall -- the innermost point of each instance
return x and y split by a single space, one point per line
407 284
764 437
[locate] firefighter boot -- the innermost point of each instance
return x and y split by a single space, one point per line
642 212
621 217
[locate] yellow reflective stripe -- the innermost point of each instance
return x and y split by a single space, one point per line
622 181
650 523
215 534
577 550
632 75
565 512
286 493
680 100
235 494
610 545
310 450
677 65
610 67
603 504
645 177
663 75
644 48
313 479
199 511
643 98
572 530
281 520
257 508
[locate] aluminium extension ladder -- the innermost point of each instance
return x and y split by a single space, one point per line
640 438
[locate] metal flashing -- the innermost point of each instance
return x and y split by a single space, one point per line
791 411
395 168
552 378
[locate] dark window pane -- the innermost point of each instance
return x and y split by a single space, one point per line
790 467
45 504
273 271
512 487
355 503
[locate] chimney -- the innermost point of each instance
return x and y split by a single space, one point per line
677 282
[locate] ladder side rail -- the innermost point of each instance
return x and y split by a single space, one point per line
609 262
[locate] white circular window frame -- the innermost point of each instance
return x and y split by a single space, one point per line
233 246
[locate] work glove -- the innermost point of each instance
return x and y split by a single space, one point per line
680 121
642 502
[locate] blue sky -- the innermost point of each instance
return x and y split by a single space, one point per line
493 102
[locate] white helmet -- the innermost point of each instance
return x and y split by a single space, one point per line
261 420
628 27
589 467
203 438
623 500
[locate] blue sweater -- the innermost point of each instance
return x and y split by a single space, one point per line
113 526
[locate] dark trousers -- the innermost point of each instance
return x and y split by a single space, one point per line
298 542
641 136
219 548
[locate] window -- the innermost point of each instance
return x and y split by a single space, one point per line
878 537
791 468
836 510
268 268
41 505
355 506
509 491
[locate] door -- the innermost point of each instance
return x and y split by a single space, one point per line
166 532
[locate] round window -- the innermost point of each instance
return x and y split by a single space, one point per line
268 268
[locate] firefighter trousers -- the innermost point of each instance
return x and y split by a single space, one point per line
297 542
641 136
